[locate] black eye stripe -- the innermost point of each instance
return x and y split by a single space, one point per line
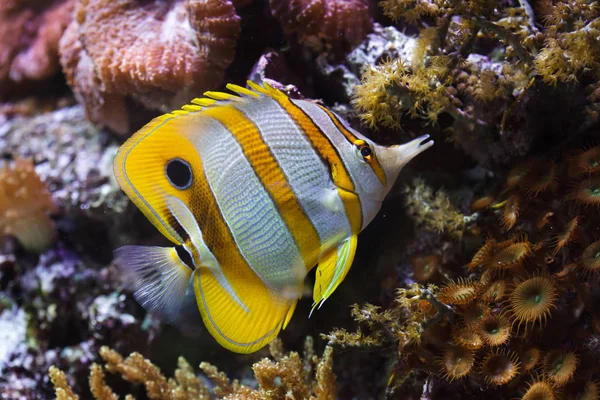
179 173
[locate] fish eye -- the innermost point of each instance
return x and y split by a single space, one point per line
179 173
365 151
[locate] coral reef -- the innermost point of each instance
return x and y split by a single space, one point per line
29 35
524 303
479 279
161 54
287 376
324 24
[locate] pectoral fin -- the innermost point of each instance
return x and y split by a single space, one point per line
332 270
158 276
241 329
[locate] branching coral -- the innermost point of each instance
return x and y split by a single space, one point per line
25 205
288 376
341 24
29 36
159 53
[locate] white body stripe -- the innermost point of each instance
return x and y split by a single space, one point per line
306 173
347 152
259 231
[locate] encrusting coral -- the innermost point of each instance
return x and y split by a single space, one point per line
324 24
25 206
287 376
161 54
29 35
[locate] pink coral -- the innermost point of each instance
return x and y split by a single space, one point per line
29 35
159 53
341 24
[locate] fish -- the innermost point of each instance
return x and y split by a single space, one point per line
254 189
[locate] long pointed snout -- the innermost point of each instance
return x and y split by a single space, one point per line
393 158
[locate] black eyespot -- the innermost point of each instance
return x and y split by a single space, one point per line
179 173
365 151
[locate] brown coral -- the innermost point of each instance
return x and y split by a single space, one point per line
160 53
342 24
29 36
25 203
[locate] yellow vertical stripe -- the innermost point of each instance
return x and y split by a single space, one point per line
273 179
329 153
373 162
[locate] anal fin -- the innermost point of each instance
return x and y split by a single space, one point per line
332 269
241 329
158 276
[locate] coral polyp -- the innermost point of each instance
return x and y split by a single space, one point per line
588 162
530 358
539 390
587 192
582 389
424 267
532 301
461 291
540 178
590 259
499 367
560 366
495 291
509 255
456 362
494 330
566 236
466 336
510 213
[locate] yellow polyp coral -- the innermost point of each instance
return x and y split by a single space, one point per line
433 211
25 205
392 90
288 376
411 10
